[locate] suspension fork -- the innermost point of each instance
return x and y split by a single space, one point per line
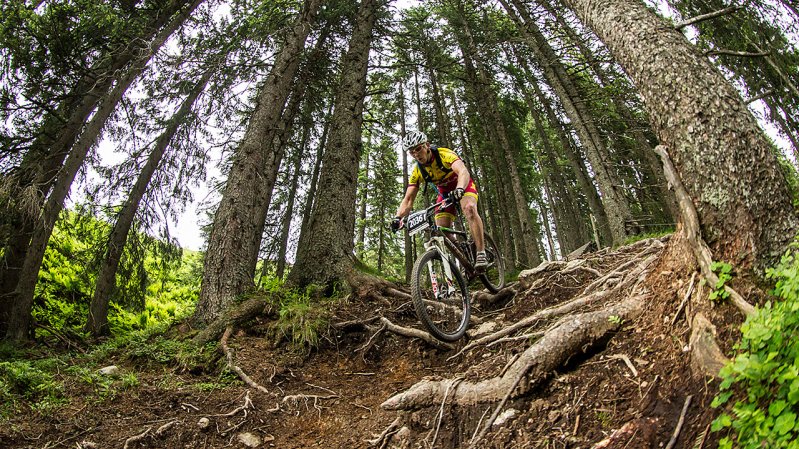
438 244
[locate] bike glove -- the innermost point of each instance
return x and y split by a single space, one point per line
457 194
395 224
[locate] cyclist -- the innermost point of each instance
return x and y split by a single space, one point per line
442 168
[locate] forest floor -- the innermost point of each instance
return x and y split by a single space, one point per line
627 389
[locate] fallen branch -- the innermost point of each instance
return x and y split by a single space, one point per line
626 361
414 333
557 346
641 430
692 230
137 438
229 355
680 422
685 298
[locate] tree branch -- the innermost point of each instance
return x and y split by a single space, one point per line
711 15
743 54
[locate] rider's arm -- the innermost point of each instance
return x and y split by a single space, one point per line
463 173
407 203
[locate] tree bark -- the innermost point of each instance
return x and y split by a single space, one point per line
722 156
409 257
324 257
233 245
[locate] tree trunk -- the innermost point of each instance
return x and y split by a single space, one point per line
39 169
97 323
233 245
651 167
324 257
19 319
361 241
407 237
285 226
615 204
722 156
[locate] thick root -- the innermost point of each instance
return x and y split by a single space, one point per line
547 354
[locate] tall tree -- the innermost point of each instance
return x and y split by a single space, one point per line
232 254
722 156
324 256
97 322
22 297
45 145
615 203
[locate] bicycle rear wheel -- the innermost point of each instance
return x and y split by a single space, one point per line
442 305
494 276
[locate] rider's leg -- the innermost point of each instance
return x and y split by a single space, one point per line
469 207
444 219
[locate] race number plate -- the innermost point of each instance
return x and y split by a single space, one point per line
417 222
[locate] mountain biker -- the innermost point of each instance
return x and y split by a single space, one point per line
446 171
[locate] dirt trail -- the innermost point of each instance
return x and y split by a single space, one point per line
625 389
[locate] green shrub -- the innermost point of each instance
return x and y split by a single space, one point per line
31 382
763 379
301 317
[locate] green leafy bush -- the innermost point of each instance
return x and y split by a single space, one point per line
31 382
763 379
724 272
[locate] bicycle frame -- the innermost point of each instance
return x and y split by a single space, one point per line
441 240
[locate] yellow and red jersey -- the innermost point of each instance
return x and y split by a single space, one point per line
439 170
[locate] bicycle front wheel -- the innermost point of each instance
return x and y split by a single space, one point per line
441 301
494 276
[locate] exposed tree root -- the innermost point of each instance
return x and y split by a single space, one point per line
240 314
388 325
381 440
692 230
229 354
706 356
626 275
554 348
502 296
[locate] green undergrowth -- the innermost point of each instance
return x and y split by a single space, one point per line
303 314
759 392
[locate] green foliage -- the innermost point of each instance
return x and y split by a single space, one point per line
724 271
763 379
29 381
166 289
302 316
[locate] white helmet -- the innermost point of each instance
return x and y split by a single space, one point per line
412 139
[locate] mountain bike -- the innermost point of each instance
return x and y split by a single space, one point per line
440 277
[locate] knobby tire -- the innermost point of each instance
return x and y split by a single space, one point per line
426 305
494 278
